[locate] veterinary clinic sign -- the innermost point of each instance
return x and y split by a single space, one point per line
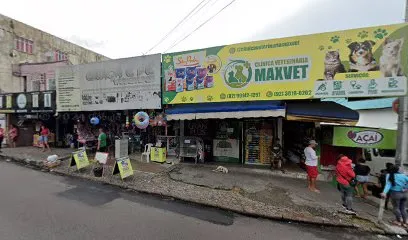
364 137
353 63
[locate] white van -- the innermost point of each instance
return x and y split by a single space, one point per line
377 158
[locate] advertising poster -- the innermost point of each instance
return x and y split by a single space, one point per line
123 166
226 150
120 84
364 137
366 62
79 159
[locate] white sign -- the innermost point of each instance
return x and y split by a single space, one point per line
21 100
366 137
101 157
226 148
391 86
130 83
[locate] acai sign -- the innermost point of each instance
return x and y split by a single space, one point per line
366 137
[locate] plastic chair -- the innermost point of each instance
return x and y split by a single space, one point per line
146 152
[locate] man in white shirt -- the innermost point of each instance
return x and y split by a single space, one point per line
311 165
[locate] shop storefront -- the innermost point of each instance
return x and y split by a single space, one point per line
28 111
108 95
377 146
289 69
232 132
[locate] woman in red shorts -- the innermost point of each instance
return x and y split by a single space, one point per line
311 165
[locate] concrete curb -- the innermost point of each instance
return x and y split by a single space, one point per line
280 217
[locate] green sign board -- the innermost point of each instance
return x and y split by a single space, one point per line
364 137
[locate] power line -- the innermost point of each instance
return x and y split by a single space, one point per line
177 25
222 9
198 20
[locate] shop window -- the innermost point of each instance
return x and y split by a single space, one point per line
387 153
367 155
60 56
35 86
51 84
24 45
375 152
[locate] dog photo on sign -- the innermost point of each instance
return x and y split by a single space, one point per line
361 57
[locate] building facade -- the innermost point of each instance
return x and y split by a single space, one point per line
22 44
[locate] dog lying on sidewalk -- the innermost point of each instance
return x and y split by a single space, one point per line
221 169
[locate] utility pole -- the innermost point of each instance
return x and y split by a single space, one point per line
401 158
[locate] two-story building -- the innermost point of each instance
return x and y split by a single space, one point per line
28 60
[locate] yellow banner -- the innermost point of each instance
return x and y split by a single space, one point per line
365 62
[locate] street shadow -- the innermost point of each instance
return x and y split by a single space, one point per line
208 214
89 193
96 194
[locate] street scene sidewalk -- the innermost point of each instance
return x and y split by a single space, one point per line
245 191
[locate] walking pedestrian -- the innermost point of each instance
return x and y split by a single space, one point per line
382 179
396 184
102 141
13 135
345 176
311 165
378 188
44 133
1 136
362 172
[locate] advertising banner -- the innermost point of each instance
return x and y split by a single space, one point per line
365 62
79 159
123 166
364 137
28 102
121 84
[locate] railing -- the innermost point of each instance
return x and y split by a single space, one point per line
183 147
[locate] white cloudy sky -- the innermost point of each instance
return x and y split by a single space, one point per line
125 28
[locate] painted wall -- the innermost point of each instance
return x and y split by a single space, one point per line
39 77
384 118
44 47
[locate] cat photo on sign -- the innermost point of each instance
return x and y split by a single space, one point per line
390 60
332 65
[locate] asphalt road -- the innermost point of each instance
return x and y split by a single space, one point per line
37 205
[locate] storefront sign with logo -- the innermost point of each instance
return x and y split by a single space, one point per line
28 102
364 137
351 63
120 84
